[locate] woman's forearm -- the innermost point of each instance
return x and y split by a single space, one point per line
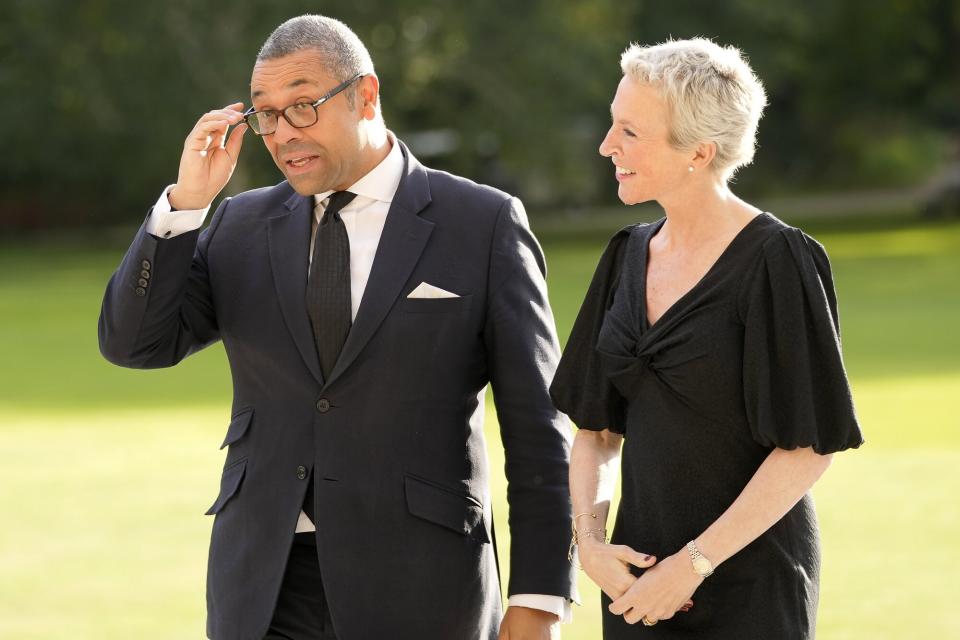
594 463
778 484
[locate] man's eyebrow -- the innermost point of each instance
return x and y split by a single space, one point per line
295 83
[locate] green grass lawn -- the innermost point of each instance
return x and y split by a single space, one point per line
106 471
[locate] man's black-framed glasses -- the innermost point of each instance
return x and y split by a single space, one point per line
299 115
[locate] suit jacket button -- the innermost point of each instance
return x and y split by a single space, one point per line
301 473
142 282
146 265
323 405
140 291
145 274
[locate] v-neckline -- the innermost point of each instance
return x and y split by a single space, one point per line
647 326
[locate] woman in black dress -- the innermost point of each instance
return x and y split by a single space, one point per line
708 346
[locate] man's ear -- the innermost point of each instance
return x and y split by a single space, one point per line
368 93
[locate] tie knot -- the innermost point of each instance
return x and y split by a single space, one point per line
337 201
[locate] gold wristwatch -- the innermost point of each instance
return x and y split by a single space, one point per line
701 566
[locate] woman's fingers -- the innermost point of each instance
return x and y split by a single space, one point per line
633 616
622 604
616 586
604 567
634 606
637 559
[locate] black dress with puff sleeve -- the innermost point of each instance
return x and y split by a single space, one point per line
747 361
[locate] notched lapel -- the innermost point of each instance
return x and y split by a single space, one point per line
403 240
289 239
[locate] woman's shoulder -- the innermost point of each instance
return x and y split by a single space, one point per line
785 255
606 276
637 229
630 236
780 241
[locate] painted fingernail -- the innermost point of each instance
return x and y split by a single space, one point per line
648 558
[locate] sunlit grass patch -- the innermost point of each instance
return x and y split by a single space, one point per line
106 472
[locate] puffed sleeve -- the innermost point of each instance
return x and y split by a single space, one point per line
795 386
580 388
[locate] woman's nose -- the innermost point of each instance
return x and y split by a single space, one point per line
606 146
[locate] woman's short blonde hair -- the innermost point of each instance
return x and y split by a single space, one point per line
711 92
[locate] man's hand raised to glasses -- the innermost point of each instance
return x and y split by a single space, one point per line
209 158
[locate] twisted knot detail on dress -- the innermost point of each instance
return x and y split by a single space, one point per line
634 349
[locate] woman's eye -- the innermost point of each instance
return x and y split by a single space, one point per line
629 133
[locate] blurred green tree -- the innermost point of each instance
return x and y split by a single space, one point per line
100 93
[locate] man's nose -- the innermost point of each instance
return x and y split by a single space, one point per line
285 132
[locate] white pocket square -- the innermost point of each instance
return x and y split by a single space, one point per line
425 290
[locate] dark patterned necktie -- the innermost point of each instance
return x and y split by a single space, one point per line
328 290
328 295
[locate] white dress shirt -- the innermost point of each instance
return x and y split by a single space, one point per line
364 218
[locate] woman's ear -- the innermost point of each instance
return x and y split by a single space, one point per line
703 155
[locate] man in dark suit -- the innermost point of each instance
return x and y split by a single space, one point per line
364 304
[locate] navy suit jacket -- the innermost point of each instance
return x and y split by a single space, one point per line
393 441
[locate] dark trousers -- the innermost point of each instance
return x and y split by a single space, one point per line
302 612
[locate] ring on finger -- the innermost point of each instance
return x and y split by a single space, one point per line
647 622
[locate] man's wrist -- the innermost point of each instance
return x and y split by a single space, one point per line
536 612
553 606
165 222
179 202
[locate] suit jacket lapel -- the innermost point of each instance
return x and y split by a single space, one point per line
404 237
289 240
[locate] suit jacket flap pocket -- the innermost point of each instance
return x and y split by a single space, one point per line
229 483
446 507
238 426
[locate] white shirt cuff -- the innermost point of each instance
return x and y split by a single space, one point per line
165 223
552 604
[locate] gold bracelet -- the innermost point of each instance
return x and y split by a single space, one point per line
578 516
571 554
588 533
575 542
573 524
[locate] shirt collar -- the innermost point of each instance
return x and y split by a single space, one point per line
381 182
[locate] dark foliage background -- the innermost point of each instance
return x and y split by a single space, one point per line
98 94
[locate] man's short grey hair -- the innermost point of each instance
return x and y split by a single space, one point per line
343 53
711 92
